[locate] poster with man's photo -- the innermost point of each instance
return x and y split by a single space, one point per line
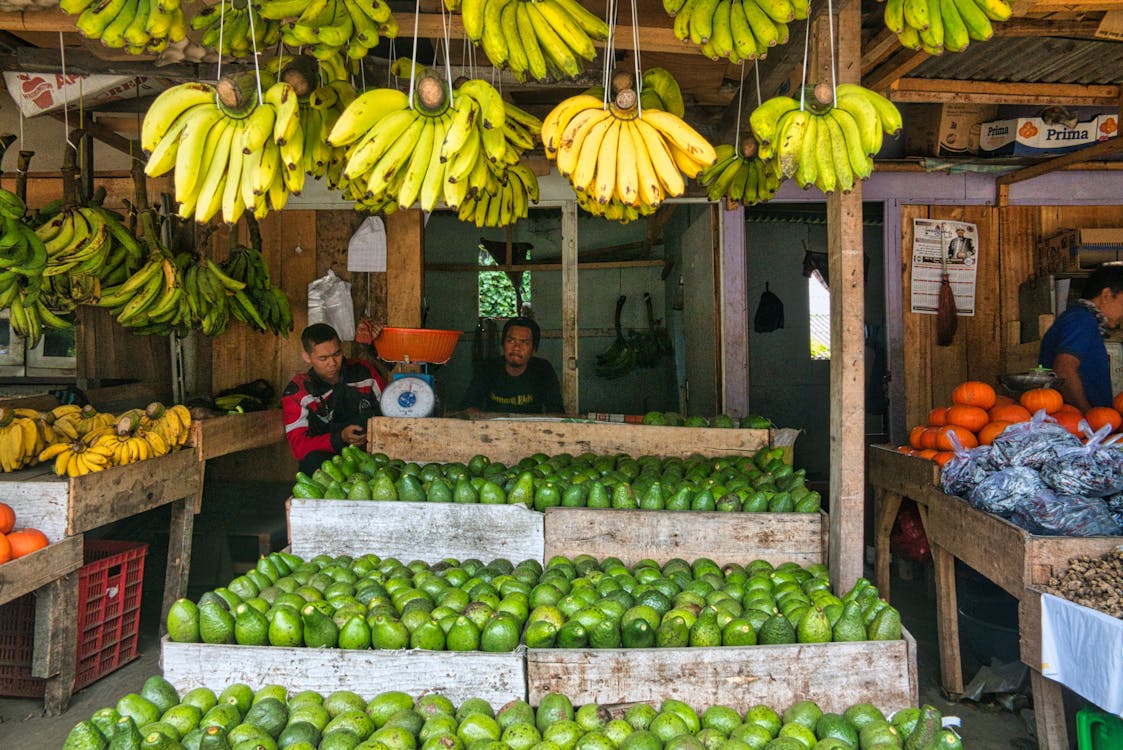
939 245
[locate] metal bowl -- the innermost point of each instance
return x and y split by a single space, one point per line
1020 382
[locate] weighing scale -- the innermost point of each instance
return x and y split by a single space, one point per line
410 392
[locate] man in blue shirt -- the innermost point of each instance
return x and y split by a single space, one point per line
1074 347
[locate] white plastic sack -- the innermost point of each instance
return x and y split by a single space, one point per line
329 301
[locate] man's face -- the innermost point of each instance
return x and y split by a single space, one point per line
1111 305
326 360
518 346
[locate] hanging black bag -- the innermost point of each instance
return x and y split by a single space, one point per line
769 312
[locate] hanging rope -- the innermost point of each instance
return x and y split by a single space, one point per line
221 28
740 100
834 62
253 41
611 9
413 56
806 46
65 98
635 58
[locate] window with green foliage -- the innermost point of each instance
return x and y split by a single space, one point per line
819 305
497 294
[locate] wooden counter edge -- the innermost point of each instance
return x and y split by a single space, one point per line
31 572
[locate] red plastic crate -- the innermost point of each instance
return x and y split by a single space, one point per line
109 589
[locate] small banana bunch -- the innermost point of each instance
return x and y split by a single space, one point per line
86 247
150 297
328 27
518 188
23 263
622 162
536 39
71 422
77 458
741 180
317 117
212 297
222 159
823 145
936 25
735 29
247 265
660 90
137 26
229 23
20 438
128 441
171 423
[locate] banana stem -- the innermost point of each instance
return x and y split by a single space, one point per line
6 416
127 424
237 94
70 171
431 93
23 164
302 73
255 231
155 410
6 141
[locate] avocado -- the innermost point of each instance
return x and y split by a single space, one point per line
654 418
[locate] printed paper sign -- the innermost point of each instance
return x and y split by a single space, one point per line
939 244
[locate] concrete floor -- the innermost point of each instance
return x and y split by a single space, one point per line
986 726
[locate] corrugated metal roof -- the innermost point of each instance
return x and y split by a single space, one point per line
1030 60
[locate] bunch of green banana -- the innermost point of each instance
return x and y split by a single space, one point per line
735 29
740 180
329 27
229 23
660 90
518 188
23 260
936 25
148 298
212 297
536 39
623 156
247 265
137 26
226 160
823 145
87 246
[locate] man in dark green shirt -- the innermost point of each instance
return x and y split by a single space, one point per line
518 382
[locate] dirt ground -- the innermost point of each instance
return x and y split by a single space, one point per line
985 725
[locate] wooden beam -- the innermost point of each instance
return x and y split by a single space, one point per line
105 134
82 62
992 92
887 75
1025 7
1088 153
405 249
516 267
879 49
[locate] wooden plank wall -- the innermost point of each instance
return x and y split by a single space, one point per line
987 344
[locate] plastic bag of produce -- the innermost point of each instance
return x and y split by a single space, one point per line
1004 491
1031 443
1052 514
1093 470
964 470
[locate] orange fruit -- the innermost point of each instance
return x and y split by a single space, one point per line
942 457
928 437
974 418
974 393
7 518
938 417
991 431
1069 408
1069 420
1009 413
1049 399
914 436
1098 416
929 453
1118 403
26 541
1001 400
5 549
966 437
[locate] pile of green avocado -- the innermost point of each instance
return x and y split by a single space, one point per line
674 419
371 602
581 603
759 483
158 718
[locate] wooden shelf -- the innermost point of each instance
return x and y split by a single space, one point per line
232 433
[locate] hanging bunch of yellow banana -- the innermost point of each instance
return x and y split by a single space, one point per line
622 161
230 24
138 26
20 438
171 423
938 25
536 39
230 152
517 189
329 27
739 176
826 144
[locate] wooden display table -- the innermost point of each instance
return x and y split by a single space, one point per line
1004 553
64 509
231 433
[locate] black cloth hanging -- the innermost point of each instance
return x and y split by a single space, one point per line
769 312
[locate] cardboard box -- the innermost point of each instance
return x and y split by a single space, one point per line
36 93
1107 126
1079 249
946 129
1032 136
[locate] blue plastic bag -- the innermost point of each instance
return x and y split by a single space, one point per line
1003 491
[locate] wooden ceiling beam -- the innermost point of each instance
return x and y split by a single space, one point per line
890 73
1026 7
991 92
1087 154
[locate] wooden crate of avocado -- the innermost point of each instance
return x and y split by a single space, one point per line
834 675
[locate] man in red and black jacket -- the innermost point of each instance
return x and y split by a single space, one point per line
328 407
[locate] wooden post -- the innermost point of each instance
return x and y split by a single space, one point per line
734 315
404 268
180 532
569 375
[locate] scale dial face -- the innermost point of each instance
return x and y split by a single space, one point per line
408 397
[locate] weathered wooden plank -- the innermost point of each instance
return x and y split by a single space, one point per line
918 336
834 675
1048 556
55 653
30 572
1049 714
180 530
634 535
40 499
96 499
405 263
509 440
906 475
231 433
994 547
414 531
497 678
1029 628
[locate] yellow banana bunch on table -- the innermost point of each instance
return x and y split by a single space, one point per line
735 30
937 25
171 423
137 26
740 180
77 458
620 157
127 441
20 439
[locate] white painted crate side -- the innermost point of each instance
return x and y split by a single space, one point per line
497 678
40 498
415 531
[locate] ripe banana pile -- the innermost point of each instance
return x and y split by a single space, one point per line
70 422
229 23
20 438
223 160
535 39
328 27
735 29
103 441
247 265
172 423
622 162
439 149
936 25
740 180
827 146
137 26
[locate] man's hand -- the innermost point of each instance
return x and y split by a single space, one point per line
353 435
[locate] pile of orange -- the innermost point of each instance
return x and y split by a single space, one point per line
978 415
17 542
